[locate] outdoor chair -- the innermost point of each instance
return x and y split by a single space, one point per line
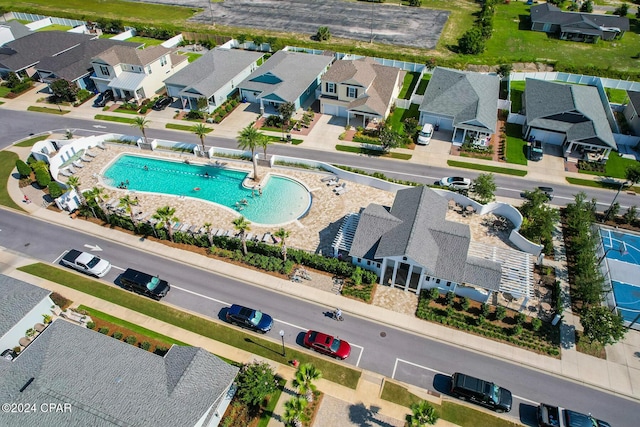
77 164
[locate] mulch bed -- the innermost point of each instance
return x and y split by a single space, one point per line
156 345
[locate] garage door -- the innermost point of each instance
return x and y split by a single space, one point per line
249 95
174 91
443 124
334 110
548 137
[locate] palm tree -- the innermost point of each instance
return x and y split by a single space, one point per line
264 142
165 216
294 411
207 226
282 234
202 131
248 139
74 182
97 194
242 225
126 202
303 381
423 414
141 123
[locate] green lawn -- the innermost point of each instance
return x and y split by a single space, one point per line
55 27
191 56
512 41
4 91
495 169
599 184
516 146
114 9
230 335
148 41
422 88
616 96
48 110
7 165
29 142
372 152
278 139
616 167
114 119
410 81
182 127
517 89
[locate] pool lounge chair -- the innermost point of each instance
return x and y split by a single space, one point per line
184 228
341 191
66 172
78 164
340 186
86 159
219 232
176 226
267 238
194 229
90 154
248 236
328 178
333 182
101 145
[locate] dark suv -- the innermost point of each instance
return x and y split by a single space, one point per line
103 98
484 393
162 103
249 318
144 283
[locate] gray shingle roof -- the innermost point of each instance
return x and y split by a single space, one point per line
18 29
129 55
111 383
378 80
573 109
471 99
634 99
30 49
76 62
289 75
213 70
548 13
17 299
416 227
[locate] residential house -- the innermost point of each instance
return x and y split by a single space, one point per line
412 246
214 76
95 380
570 116
465 103
577 26
632 110
22 306
285 77
361 89
135 74
22 55
12 30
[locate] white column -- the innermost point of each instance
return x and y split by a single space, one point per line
406 285
395 272
382 271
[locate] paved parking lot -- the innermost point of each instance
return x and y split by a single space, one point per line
385 23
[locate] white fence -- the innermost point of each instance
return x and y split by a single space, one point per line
627 140
125 35
577 79
32 17
173 41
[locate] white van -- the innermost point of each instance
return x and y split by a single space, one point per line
424 136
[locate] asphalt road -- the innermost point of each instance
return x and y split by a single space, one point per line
376 347
19 124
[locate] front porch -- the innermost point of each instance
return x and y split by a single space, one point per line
576 152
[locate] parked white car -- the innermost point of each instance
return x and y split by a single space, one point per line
425 134
455 182
86 263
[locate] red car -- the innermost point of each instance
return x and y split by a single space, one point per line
326 344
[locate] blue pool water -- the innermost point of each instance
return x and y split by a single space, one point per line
282 199
624 249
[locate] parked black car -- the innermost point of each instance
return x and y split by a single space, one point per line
144 283
103 98
162 103
484 393
9 354
249 318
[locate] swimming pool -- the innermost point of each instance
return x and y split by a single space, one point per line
282 199
622 251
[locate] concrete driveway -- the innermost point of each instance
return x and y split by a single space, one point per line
384 23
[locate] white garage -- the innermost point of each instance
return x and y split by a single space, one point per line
548 137
442 122
334 110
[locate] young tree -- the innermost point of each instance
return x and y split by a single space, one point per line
294 411
415 3
411 126
389 138
248 139
202 131
23 169
64 90
630 215
484 187
504 71
601 325
539 219
127 202
74 182
242 225
286 110
587 6
622 10
255 382
166 216
282 234
471 42
423 414
632 174
207 227
323 34
142 124
264 142
303 381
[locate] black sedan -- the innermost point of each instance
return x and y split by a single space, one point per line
249 318
103 98
162 103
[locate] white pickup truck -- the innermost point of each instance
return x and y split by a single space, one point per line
556 416
86 263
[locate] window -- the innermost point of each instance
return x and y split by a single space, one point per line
352 92
368 262
104 70
330 87
149 70
404 258
437 281
359 260
427 278
448 283
163 61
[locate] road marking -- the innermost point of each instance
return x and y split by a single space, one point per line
448 375
292 325
199 295
118 268
93 248
361 351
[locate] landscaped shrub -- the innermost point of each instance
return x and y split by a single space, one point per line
520 318
517 330
360 292
131 340
161 351
536 324
145 345
450 298
91 325
464 303
55 190
369 277
485 309
194 115
356 277
117 335
104 331
23 169
43 177
434 293
500 313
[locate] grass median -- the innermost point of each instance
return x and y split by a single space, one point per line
114 119
372 152
58 111
609 185
186 128
7 165
486 168
207 328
